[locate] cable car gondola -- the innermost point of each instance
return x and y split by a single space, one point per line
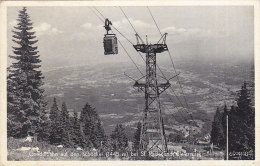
110 40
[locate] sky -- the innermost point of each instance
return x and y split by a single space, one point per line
70 36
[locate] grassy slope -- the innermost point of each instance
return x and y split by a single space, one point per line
50 152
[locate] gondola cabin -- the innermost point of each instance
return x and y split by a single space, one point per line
110 44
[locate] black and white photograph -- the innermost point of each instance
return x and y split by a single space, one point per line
120 82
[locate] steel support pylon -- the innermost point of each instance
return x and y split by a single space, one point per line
152 137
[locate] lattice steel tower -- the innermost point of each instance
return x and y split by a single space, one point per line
152 131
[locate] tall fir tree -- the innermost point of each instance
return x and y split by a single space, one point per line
26 105
76 136
66 126
244 101
217 133
101 137
242 124
85 126
55 121
119 139
245 108
91 128
137 136
224 124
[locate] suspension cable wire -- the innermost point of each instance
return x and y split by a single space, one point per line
120 44
154 21
185 119
169 53
180 112
130 58
139 54
99 12
126 38
164 106
130 23
173 101
113 26
174 116
132 43
122 35
179 82
97 15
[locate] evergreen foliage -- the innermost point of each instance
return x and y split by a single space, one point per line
118 138
56 128
26 105
242 124
224 125
137 136
66 126
217 133
76 135
91 129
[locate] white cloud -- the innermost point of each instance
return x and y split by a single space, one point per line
80 36
174 30
137 24
46 29
188 32
141 24
87 25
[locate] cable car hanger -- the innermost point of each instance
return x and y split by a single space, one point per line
107 25
110 40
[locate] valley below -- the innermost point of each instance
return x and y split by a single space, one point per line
206 86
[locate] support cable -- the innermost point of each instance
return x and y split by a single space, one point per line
141 40
183 117
170 57
173 103
112 26
174 117
142 59
139 54
154 21
130 58
130 23
126 37
169 53
120 44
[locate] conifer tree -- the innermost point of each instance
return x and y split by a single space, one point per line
242 124
235 130
66 126
244 101
86 126
56 128
76 137
137 136
245 108
217 134
92 131
26 105
224 124
101 137
118 138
